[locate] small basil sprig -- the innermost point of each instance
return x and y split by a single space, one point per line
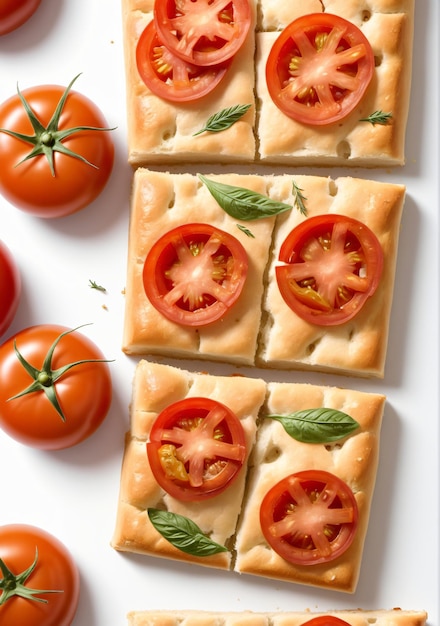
378 117
241 203
224 119
320 425
299 198
183 533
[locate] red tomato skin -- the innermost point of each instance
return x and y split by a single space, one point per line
85 391
55 569
326 620
168 419
14 13
30 186
10 288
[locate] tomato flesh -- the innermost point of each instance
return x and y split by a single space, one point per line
55 570
319 69
10 288
326 620
203 32
309 517
329 266
196 449
195 273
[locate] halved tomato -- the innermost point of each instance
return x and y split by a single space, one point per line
203 32
170 77
319 68
195 273
309 517
196 449
326 620
331 265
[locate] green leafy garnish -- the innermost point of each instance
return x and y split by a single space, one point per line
94 285
241 203
44 379
320 425
246 231
224 119
49 140
299 198
183 533
378 117
13 585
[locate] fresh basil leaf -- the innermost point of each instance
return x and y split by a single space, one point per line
224 119
245 230
183 533
243 204
299 198
317 425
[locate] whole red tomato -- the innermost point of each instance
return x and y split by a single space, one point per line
39 579
10 288
56 387
69 158
14 13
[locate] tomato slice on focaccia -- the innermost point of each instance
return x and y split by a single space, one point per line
170 77
203 32
195 273
196 448
319 68
309 517
329 266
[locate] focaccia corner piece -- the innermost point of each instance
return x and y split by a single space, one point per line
347 465
162 131
382 617
161 202
155 387
358 346
388 25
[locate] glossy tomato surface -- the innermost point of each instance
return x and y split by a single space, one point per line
326 620
30 185
55 570
319 69
196 449
309 517
170 77
195 273
14 13
10 288
329 266
203 32
84 392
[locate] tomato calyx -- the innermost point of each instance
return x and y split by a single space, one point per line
44 379
48 140
15 584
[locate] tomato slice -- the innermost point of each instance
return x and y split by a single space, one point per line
309 517
326 620
196 449
195 273
319 68
170 77
332 265
203 32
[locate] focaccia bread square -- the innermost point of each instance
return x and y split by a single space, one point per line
260 329
160 202
383 617
161 131
155 387
277 455
359 345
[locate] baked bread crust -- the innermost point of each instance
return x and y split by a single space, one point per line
155 387
383 617
163 132
269 334
275 455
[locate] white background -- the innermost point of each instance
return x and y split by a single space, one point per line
73 493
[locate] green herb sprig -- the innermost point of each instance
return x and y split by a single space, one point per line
321 425
224 119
